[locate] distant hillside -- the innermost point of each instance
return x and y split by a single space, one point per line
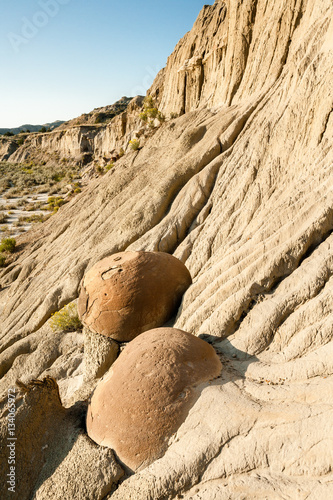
99 115
95 117
32 128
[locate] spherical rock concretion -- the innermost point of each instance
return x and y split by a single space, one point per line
146 395
130 292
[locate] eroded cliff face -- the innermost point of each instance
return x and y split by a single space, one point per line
7 148
78 143
235 50
240 189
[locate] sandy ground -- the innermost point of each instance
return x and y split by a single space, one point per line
16 213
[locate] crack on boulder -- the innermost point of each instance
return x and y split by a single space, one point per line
106 275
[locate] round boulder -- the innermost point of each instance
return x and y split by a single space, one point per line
146 395
131 292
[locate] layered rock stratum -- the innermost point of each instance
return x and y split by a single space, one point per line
239 187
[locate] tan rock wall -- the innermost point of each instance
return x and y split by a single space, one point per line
243 195
73 142
7 148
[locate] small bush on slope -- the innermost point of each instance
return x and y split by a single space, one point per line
8 245
66 320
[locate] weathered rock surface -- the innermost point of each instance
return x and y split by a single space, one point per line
80 140
243 439
99 466
147 393
7 148
100 353
131 292
45 353
52 445
240 189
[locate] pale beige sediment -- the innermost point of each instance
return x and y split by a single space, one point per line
100 353
53 447
242 192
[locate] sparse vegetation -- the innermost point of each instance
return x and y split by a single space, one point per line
173 116
150 112
109 166
2 260
3 218
66 320
99 169
20 141
7 245
55 202
99 118
134 144
18 178
32 219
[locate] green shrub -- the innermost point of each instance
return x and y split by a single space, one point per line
8 245
148 102
121 152
2 260
109 166
143 116
21 140
134 144
66 320
32 219
55 202
58 176
173 116
150 112
99 118
3 218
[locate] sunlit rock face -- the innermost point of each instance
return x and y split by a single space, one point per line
148 392
131 292
239 188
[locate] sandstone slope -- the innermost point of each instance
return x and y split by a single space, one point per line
240 188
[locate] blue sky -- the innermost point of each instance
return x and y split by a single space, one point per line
61 58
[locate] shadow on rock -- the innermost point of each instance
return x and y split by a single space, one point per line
50 445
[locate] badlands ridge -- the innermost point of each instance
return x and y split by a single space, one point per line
237 184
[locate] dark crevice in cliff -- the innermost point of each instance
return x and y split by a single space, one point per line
183 109
201 81
325 127
299 16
